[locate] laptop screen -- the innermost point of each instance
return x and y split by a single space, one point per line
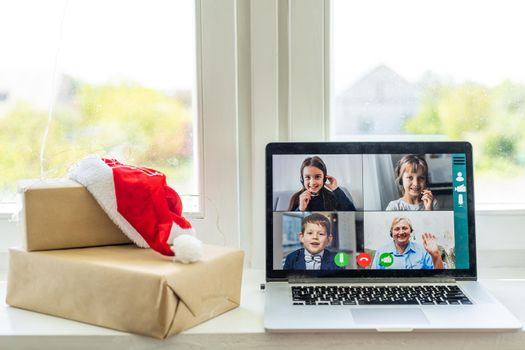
370 209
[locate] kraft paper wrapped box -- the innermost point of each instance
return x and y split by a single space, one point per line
109 282
126 288
61 213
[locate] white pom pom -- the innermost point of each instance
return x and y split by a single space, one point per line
187 248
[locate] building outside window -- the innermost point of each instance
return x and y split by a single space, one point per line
409 70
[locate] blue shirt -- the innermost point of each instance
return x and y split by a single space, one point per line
415 257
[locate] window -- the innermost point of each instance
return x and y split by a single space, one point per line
114 78
445 70
202 33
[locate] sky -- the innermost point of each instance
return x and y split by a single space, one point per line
152 42
462 40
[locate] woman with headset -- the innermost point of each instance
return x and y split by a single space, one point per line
404 254
320 191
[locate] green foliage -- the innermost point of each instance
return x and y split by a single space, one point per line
464 108
21 132
499 146
427 120
493 119
126 121
451 110
145 125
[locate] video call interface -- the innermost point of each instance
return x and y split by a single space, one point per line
373 211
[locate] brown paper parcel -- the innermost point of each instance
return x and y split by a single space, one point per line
126 288
61 213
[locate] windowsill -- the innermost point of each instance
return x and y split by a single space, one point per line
8 209
500 209
243 327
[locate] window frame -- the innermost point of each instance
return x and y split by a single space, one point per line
252 84
217 153
489 216
303 30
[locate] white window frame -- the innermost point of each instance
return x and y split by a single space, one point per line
291 102
218 133
505 221
263 75
288 92
217 129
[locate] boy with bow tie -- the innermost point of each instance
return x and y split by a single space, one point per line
316 236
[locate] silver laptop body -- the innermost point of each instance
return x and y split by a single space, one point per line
371 275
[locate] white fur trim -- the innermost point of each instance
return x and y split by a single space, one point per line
176 231
97 177
187 249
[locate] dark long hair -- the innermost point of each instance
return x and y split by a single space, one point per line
327 196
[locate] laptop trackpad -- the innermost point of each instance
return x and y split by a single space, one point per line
389 316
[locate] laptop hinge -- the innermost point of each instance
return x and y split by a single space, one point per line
309 279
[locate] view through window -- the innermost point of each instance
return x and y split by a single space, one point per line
119 78
442 70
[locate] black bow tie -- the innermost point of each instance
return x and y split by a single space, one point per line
312 258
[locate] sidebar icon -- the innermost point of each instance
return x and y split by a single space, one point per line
459 192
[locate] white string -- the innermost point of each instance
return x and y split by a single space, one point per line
52 103
217 220
54 88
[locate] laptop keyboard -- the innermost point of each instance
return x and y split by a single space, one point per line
379 295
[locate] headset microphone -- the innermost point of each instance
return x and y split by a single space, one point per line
412 235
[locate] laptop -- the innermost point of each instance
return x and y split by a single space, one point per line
374 236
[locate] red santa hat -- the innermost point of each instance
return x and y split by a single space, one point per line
139 201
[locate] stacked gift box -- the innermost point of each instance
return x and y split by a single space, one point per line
77 264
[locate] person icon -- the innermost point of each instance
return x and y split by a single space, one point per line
459 177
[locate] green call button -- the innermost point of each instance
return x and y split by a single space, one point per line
386 259
341 259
